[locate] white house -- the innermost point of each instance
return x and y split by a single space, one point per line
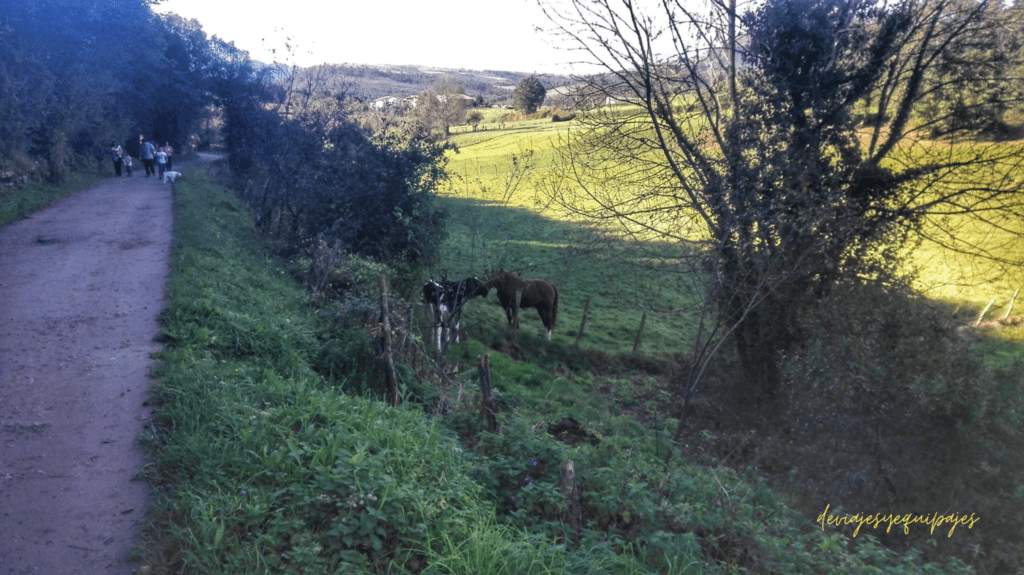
385 102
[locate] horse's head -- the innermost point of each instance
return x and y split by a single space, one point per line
473 287
499 278
491 279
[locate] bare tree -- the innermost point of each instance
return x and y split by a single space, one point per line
738 138
442 106
385 118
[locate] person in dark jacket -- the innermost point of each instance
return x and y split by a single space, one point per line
148 150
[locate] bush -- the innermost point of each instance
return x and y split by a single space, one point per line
889 398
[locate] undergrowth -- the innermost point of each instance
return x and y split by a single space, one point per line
21 195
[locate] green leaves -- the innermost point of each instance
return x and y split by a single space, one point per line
528 95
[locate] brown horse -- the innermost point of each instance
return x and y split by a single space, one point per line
535 293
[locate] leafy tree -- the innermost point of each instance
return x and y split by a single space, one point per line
180 94
528 95
311 173
976 95
376 196
75 76
240 91
738 140
474 118
61 86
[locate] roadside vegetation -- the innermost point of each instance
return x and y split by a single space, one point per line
267 462
20 198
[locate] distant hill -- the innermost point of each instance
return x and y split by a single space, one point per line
371 81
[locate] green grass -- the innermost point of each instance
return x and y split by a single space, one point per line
501 218
273 468
18 204
269 467
970 283
583 265
266 465
487 231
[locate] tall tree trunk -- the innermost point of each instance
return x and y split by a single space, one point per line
758 349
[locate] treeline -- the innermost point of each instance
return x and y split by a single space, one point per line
76 76
313 176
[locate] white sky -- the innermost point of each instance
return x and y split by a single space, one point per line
471 34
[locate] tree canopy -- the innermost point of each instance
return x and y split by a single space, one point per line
76 76
528 95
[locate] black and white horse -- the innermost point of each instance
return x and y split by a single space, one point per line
443 302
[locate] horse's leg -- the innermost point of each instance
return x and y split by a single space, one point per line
515 307
456 318
434 317
553 312
503 299
443 329
545 318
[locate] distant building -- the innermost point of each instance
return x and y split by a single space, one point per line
385 102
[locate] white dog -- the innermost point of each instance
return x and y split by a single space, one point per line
171 176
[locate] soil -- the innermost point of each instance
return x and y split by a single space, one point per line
81 287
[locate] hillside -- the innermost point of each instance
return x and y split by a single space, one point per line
370 81
283 459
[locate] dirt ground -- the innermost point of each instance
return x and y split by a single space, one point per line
81 287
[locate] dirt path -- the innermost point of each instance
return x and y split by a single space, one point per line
81 286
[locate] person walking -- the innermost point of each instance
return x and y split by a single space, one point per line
128 164
161 162
116 154
147 157
170 153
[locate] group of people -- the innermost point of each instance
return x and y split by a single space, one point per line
156 159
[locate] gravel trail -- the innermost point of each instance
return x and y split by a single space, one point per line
81 287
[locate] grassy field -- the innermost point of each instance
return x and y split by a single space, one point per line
500 217
265 463
508 164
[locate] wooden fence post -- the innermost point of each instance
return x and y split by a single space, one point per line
389 363
488 407
1009 308
981 316
571 495
640 333
583 323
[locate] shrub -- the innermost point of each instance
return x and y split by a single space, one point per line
889 397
